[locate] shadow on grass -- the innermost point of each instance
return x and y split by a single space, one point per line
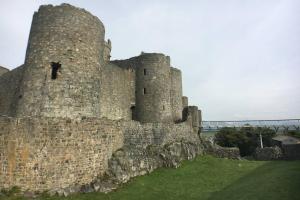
272 180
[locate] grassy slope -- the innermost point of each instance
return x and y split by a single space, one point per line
210 179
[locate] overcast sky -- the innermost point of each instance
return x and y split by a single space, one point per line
240 59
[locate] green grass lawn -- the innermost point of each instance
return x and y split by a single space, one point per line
209 178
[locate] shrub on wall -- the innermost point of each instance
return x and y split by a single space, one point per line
247 138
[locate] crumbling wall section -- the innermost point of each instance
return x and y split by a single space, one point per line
268 153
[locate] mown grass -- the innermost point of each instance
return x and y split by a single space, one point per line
208 178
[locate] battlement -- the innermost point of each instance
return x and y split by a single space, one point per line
64 7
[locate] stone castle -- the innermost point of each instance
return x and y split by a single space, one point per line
68 109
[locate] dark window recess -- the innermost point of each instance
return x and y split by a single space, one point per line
132 108
145 92
36 167
145 72
56 66
163 107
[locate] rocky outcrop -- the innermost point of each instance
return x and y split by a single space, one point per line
130 162
225 152
268 153
220 152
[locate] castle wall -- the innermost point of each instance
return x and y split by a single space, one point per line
185 102
70 108
46 153
193 112
3 70
40 154
74 38
131 65
9 91
176 94
142 135
153 88
115 93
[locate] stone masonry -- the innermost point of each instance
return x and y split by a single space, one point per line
68 110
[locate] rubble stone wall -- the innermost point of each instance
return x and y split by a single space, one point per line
143 135
115 93
74 38
268 153
40 154
43 154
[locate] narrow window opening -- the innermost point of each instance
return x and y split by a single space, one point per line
132 109
55 68
145 72
145 92
163 107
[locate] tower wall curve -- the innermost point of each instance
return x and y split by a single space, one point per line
63 64
153 88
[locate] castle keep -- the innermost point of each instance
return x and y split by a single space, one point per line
68 108
68 73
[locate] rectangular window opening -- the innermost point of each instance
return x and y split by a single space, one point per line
145 92
55 68
145 72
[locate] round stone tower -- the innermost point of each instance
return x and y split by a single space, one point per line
176 94
153 88
63 63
